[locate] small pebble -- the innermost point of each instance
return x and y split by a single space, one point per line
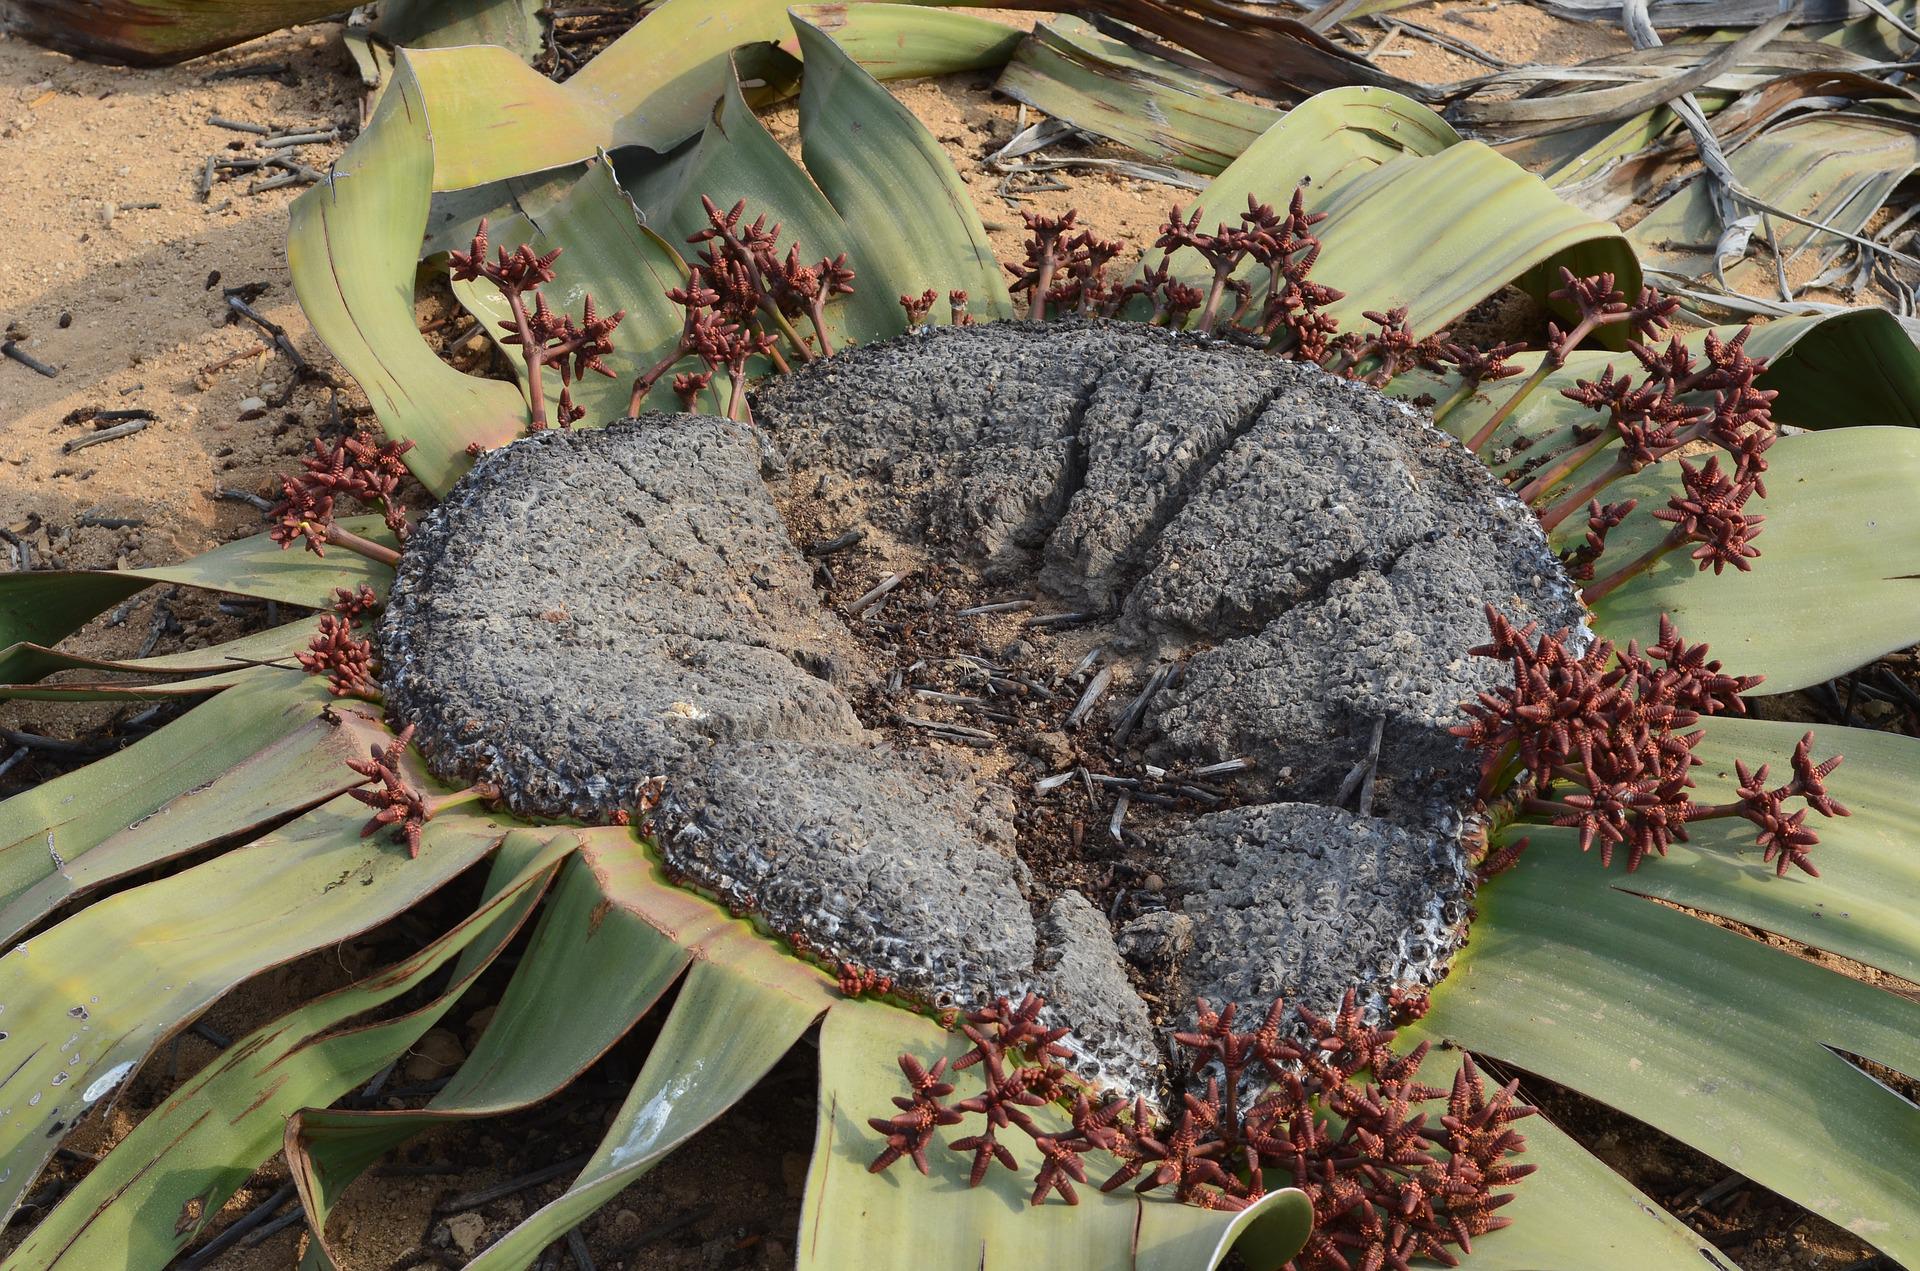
435 1055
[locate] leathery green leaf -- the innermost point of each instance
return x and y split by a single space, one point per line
1861 905
1575 1205
351 249
1830 370
1329 140
287 775
903 41
1437 234
514 25
1069 70
27 662
495 117
1836 584
88 998
743 1004
725 1031
155 32
42 606
1415 216
1840 369
121 689
1730 1045
69 816
737 158
190 1155
592 969
851 1218
885 174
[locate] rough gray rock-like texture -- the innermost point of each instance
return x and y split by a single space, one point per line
871 853
967 436
1137 470
1304 902
1339 578
1294 505
1303 695
1080 974
588 610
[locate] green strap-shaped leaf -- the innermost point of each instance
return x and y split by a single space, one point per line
514 25
916 226
851 1218
1439 233
1574 1213
739 1009
1415 216
82 1003
284 777
1100 85
42 606
725 1031
1837 583
453 119
122 689
1839 369
736 158
155 32
592 969
1862 905
351 249
25 663
1723 1042
72 814
903 41
1329 140
166 1181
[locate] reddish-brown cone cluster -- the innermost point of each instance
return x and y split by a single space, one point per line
395 800
1601 521
1599 738
544 338
338 651
1388 1185
1711 512
740 302
1064 271
1391 350
918 307
860 981
356 467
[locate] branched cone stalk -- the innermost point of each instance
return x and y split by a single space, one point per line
399 803
1594 298
740 302
1394 1183
1598 742
355 467
543 337
1067 270
339 651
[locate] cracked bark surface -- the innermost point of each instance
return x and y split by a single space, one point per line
589 610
